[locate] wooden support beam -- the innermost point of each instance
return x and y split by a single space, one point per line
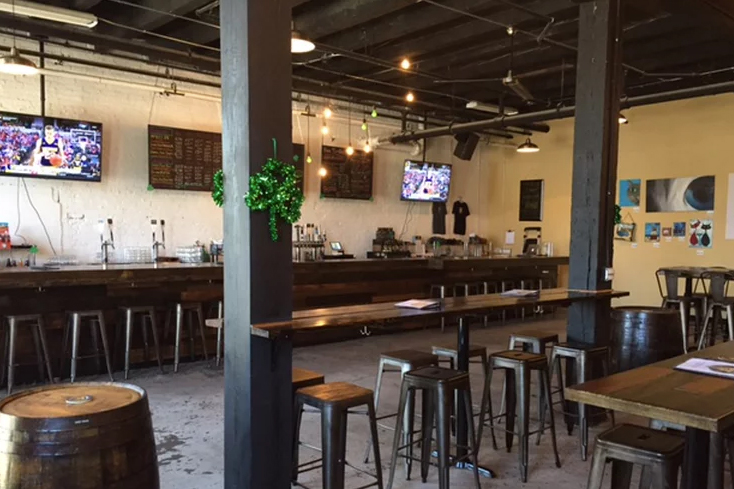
596 138
258 276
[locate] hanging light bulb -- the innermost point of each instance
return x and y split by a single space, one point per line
364 124
328 112
325 129
405 64
410 97
623 119
15 64
367 147
322 172
374 113
309 160
350 150
528 147
300 44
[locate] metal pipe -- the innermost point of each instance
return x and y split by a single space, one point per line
557 113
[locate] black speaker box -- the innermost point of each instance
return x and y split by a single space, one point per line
467 143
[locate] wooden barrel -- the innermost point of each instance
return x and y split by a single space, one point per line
644 335
78 436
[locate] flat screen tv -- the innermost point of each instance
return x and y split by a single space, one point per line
49 147
426 182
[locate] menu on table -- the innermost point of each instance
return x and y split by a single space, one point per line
181 159
347 177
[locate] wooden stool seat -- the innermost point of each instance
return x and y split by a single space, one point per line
306 378
341 394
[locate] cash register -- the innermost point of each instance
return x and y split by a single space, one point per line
337 252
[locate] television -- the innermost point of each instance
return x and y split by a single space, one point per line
50 147
426 182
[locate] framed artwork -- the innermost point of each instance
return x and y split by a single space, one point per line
667 232
531 200
679 229
625 231
681 194
629 193
702 233
652 232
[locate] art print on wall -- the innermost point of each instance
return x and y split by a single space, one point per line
681 194
531 200
625 231
667 232
702 234
679 229
652 232
630 192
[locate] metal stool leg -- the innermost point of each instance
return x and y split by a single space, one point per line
11 354
220 330
427 421
177 346
333 444
37 347
378 387
44 348
105 345
596 474
581 365
298 415
443 435
546 386
95 345
408 434
486 407
522 386
128 339
200 316
473 440
156 343
375 443
190 326
75 320
144 333
398 435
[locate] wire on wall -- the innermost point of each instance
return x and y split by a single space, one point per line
17 222
38 214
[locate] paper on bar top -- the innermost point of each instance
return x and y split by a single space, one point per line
718 368
420 304
521 293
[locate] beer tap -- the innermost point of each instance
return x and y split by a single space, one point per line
158 244
106 243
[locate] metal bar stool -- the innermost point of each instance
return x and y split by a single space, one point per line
718 302
518 366
189 309
334 401
218 324
672 298
404 361
450 354
97 324
660 453
582 358
439 292
39 337
146 314
438 386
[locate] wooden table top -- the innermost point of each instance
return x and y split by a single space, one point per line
657 391
370 314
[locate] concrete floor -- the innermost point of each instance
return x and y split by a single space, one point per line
188 417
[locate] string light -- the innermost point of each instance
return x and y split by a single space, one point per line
410 97
405 64
350 150
374 113
309 160
325 129
322 172
328 112
367 147
364 124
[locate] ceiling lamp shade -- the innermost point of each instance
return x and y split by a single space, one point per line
623 118
528 147
22 8
300 44
15 64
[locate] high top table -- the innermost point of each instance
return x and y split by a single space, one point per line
462 308
703 404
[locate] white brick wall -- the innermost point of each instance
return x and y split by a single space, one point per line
123 195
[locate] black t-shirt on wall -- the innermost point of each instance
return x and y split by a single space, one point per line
460 212
439 217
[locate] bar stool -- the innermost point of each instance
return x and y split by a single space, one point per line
673 299
582 358
405 361
660 453
438 291
438 386
143 313
449 353
718 302
334 401
518 366
39 337
97 324
218 324
188 309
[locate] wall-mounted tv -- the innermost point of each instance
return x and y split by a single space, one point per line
426 182
50 147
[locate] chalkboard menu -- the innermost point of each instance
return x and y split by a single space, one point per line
531 200
179 159
347 177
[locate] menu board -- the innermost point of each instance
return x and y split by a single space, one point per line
347 177
179 159
531 200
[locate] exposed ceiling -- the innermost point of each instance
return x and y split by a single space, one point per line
460 49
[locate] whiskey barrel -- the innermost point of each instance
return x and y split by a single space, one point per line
78 436
644 335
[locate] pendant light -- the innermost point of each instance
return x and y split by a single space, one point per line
299 43
14 63
350 148
528 147
309 160
623 118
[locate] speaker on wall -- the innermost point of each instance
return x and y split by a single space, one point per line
467 143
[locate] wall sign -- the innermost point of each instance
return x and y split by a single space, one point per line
531 200
347 177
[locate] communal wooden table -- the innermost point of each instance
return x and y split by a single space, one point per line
463 308
703 404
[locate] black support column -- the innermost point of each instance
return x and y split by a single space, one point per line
598 90
256 107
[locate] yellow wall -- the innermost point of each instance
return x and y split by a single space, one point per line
678 139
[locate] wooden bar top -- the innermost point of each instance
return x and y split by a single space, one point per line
360 316
658 391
